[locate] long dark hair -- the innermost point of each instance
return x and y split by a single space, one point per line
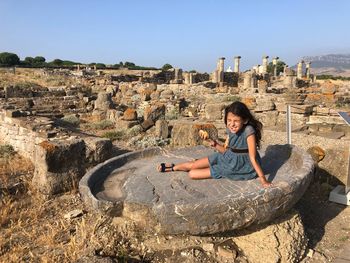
240 109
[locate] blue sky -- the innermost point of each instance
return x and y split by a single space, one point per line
184 33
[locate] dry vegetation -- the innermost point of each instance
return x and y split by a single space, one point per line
30 77
34 229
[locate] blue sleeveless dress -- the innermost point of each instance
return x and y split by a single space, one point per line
231 165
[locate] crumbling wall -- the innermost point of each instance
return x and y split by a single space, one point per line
19 134
59 162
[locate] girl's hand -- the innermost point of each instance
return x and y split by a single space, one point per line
213 143
266 184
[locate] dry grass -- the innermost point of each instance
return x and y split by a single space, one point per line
33 76
32 228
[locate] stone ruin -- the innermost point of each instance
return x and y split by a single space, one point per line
166 108
129 186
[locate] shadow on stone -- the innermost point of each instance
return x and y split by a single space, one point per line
275 156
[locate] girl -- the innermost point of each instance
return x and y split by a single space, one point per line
240 160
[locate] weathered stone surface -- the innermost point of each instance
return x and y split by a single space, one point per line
97 149
103 101
155 112
186 133
162 129
58 165
325 119
298 109
214 111
129 185
264 104
130 115
282 241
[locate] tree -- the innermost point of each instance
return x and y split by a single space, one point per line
167 67
280 66
39 59
100 65
129 65
29 60
57 62
8 59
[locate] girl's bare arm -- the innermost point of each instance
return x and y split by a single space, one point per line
251 140
218 147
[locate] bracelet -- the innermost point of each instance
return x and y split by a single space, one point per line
215 143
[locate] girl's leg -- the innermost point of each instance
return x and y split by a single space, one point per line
197 164
200 173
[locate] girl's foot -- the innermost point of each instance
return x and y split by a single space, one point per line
165 167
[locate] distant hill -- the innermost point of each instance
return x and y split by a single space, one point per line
332 64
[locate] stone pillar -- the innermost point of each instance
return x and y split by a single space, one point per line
191 78
95 68
289 78
307 65
221 69
264 64
274 63
236 64
178 76
284 70
247 82
187 77
78 67
300 69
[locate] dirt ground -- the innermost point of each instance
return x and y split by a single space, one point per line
33 229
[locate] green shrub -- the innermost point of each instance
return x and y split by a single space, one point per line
6 151
71 120
114 135
102 125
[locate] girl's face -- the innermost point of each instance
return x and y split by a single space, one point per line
234 122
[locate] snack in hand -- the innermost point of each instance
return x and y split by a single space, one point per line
203 134
226 143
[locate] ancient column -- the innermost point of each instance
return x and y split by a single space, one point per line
264 64
284 70
289 78
247 82
215 76
187 77
78 67
221 69
191 78
178 76
300 69
95 68
307 65
274 63
236 64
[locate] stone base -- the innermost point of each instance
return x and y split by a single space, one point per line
339 196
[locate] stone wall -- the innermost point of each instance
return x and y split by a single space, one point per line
19 134
59 162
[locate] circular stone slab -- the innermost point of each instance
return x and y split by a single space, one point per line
130 186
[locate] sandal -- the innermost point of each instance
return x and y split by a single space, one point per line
165 167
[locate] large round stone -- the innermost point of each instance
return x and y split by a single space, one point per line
130 186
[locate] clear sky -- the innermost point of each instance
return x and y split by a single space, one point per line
189 34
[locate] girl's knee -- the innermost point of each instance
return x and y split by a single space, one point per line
191 174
